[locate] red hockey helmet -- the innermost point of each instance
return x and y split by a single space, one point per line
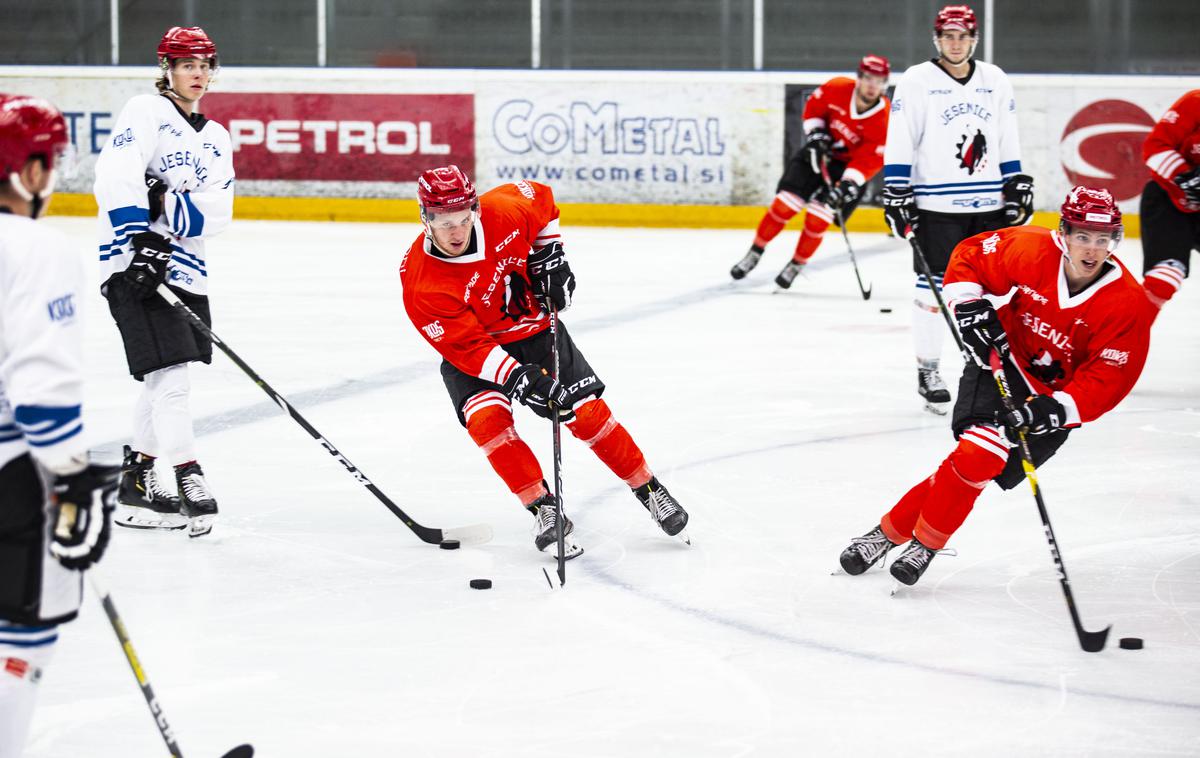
956 18
186 42
1093 209
876 65
445 190
30 127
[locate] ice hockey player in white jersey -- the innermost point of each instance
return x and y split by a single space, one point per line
952 169
164 184
55 506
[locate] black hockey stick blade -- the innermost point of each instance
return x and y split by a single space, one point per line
241 751
1093 642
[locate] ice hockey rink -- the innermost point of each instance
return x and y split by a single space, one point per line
311 622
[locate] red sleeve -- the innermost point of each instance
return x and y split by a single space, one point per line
984 264
868 157
816 109
1117 353
543 216
452 329
1164 147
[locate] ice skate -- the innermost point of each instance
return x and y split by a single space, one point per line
932 389
545 533
865 551
142 501
196 502
664 509
747 263
789 273
911 564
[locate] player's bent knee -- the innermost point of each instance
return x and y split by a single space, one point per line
490 424
981 454
593 421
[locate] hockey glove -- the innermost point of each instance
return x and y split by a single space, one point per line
530 384
1189 182
151 254
155 189
981 331
81 511
551 276
817 146
1040 414
1018 199
844 193
900 210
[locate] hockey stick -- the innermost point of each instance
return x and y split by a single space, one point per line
558 503
160 718
937 292
1092 642
464 535
837 214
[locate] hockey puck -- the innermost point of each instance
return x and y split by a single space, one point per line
481 584
1130 643
885 310
448 544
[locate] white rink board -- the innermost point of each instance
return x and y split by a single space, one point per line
313 624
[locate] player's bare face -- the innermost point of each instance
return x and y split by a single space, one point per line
869 90
955 47
452 231
1087 250
190 77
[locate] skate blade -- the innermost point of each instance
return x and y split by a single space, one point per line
133 517
570 550
199 526
684 537
938 409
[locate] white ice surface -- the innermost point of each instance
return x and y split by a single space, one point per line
313 623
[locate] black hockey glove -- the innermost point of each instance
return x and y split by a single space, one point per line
551 276
81 511
844 193
151 254
981 331
1040 414
547 398
900 210
1189 182
155 189
1018 199
817 146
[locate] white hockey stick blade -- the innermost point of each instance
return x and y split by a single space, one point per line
475 534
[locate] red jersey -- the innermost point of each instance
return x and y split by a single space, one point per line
467 307
1173 147
857 137
1086 349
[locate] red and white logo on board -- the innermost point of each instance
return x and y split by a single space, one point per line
1101 146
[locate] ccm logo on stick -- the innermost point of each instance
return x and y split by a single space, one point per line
294 136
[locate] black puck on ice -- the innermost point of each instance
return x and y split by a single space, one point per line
885 310
448 544
481 584
1130 643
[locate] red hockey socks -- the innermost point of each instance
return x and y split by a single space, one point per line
783 207
595 426
490 424
897 524
816 221
980 456
1161 283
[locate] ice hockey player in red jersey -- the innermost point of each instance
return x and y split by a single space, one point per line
474 286
1075 334
845 124
1171 200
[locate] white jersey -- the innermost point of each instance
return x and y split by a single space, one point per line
194 158
954 143
41 345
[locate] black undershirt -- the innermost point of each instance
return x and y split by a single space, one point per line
965 79
196 120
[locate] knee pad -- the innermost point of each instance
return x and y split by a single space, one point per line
489 420
981 455
593 422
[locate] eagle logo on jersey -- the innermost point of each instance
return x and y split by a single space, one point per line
971 151
518 304
1046 369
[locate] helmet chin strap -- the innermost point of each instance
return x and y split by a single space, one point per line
970 53
37 201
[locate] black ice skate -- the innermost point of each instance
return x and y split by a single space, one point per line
865 551
931 387
142 501
196 502
545 532
789 273
747 263
664 509
911 564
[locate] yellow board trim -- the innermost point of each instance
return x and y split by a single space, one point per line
369 209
